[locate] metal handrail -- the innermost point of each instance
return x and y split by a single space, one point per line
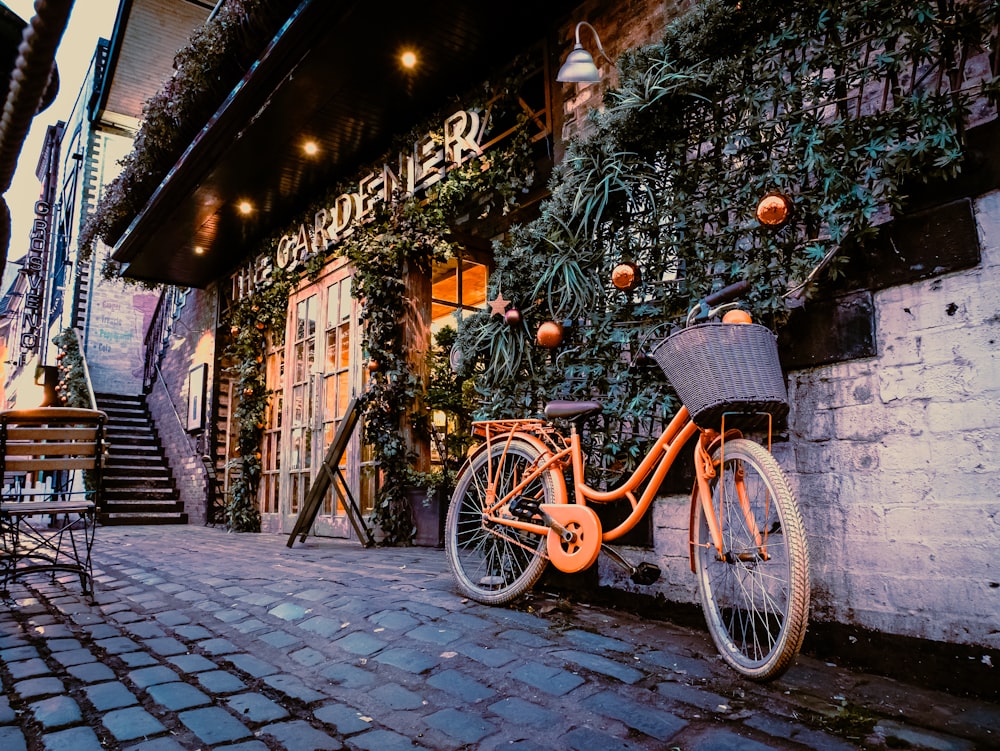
86 370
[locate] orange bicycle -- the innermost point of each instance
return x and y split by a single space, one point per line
510 514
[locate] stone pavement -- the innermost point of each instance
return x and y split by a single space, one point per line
198 639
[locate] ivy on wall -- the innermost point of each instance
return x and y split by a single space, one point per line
835 105
251 322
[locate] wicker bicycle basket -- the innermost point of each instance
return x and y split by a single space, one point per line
718 368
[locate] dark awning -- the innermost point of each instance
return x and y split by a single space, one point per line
332 76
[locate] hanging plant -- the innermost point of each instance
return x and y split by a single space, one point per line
206 69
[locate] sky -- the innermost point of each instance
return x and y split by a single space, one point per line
89 21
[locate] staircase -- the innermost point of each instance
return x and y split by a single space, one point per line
138 485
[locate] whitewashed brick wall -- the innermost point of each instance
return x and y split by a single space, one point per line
896 463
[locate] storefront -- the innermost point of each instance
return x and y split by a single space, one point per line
315 367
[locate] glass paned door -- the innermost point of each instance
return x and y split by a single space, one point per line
336 373
301 402
271 444
321 377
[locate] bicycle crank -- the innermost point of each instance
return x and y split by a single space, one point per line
574 538
641 573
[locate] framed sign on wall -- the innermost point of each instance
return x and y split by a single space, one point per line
197 378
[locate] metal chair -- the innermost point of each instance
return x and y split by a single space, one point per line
50 461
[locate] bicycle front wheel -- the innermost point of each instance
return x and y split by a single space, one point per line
755 592
491 562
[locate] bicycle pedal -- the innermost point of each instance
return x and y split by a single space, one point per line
645 573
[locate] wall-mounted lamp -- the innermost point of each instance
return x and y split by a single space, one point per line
579 66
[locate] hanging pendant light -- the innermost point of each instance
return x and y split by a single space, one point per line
579 66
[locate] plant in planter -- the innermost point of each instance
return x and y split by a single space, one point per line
450 407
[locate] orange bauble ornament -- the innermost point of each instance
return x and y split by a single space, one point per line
774 209
626 276
550 334
372 366
737 316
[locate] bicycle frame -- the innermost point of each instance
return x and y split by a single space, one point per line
558 451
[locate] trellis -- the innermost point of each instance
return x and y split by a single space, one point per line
833 104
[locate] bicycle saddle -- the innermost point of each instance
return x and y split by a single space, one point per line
567 409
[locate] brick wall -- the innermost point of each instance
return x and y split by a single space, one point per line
191 343
894 463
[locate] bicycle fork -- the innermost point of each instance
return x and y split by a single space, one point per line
702 494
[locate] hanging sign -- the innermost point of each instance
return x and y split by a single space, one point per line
34 271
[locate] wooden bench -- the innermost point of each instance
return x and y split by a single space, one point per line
50 462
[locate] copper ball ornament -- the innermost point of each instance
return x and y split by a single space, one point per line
774 209
550 334
373 366
512 317
626 276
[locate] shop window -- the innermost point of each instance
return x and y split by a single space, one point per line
457 285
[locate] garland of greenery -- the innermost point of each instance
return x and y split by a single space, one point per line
737 100
252 321
72 386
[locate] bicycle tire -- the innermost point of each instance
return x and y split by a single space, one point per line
756 607
496 564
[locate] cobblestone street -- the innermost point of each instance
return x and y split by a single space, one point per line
200 639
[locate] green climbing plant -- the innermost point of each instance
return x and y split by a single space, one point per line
254 322
836 105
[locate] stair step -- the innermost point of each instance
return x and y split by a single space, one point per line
140 519
141 508
127 453
138 485
126 495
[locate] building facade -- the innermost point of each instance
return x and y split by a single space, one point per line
893 371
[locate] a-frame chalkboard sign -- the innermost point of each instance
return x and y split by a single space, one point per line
328 476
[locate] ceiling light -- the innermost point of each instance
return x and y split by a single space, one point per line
408 59
311 148
199 250
245 207
579 66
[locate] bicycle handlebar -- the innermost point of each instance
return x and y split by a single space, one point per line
707 306
727 293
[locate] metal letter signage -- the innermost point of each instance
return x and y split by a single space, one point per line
426 163
34 271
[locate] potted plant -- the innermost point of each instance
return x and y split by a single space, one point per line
449 427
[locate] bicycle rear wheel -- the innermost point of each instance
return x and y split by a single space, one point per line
755 595
493 563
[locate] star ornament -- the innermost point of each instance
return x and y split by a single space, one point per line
498 306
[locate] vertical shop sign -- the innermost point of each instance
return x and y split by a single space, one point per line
34 271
